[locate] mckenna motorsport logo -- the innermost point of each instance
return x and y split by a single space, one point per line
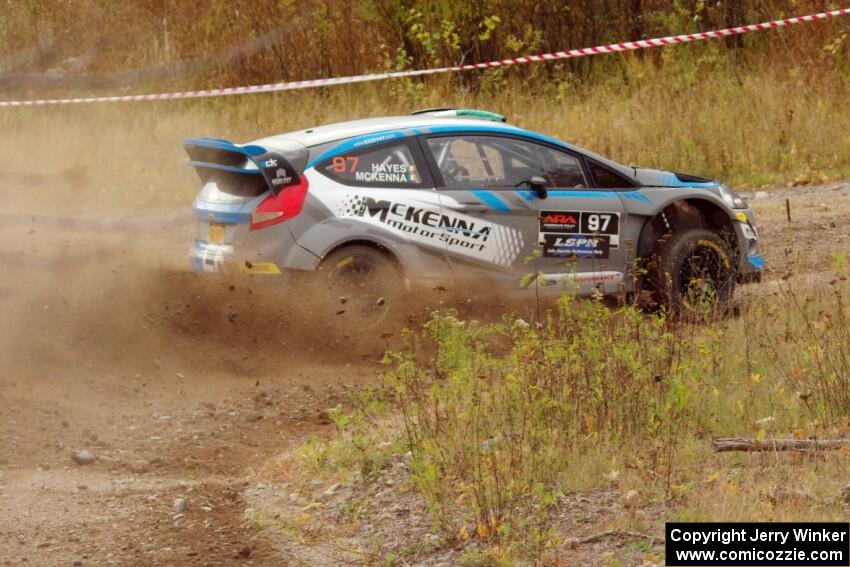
422 222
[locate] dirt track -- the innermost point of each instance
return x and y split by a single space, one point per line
182 385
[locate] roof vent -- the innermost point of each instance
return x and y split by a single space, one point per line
462 113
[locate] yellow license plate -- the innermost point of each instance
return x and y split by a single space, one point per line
215 234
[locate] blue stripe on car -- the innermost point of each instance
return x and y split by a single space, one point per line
446 129
358 142
672 180
224 217
756 261
529 195
220 144
490 199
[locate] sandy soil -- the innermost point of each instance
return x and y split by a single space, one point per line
182 386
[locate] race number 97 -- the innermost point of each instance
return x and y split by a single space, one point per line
345 164
600 223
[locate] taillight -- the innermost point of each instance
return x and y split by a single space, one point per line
287 204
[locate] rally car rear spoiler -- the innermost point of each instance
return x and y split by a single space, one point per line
279 169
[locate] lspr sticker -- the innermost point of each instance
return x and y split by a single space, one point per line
576 246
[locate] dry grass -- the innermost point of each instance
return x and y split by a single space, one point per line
769 129
503 420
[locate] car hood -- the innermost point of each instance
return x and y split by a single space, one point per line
658 178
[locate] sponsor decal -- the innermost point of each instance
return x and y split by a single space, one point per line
595 278
426 224
259 268
576 246
559 221
375 140
281 177
598 277
602 228
270 163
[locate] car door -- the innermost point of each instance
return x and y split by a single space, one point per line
572 231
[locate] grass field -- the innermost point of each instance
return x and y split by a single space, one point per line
770 128
504 423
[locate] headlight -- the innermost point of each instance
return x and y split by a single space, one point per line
732 199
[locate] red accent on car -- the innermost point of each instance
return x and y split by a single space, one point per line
286 205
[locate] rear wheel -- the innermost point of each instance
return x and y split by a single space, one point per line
694 273
360 284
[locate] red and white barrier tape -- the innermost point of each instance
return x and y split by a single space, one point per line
293 85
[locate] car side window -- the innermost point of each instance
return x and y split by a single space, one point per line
387 166
473 162
604 178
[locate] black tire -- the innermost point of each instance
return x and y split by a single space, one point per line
693 273
360 284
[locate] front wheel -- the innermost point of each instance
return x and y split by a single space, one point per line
694 273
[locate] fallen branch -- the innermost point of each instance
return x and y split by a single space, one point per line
573 542
739 444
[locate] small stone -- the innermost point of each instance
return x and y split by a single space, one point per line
380 302
179 505
340 311
82 457
315 483
138 467
343 300
246 552
760 195
250 416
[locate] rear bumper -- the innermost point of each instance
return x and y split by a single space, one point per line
268 251
220 258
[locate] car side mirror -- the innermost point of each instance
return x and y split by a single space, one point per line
538 185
